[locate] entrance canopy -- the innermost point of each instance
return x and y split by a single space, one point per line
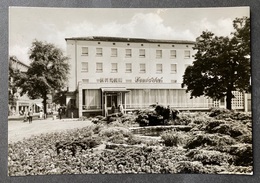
114 90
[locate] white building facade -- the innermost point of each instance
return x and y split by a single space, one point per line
135 73
21 103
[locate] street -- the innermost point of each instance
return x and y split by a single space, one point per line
18 130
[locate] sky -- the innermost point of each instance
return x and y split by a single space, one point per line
53 25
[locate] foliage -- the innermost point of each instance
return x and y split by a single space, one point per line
159 116
47 72
12 88
218 111
190 167
243 154
112 148
111 131
170 138
203 140
210 157
60 97
221 65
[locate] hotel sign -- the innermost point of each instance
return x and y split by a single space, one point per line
137 80
149 80
110 80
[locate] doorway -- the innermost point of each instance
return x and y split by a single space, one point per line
112 100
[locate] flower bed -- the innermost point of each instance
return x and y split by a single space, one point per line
217 144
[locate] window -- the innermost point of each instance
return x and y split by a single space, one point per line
99 52
84 50
99 67
142 53
158 68
114 67
142 68
85 80
173 68
128 67
128 53
84 66
173 54
158 53
187 54
113 52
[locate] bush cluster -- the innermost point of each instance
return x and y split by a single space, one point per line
218 144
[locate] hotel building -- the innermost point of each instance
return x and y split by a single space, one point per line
133 72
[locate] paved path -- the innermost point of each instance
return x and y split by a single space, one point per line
18 130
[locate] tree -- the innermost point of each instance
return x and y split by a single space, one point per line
222 64
47 72
60 97
12 88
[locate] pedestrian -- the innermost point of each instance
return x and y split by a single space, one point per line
121 109
41 114
30 115
21 112
60 112
113 109
25 117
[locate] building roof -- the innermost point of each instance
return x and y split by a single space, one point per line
14 59
124 39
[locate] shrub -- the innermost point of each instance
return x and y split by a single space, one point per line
222 128
241 116
210 157
243 154
77 145
170 138
236 130
246 138
211 125
132 140
203 140
190 167
111 131
117 139
218 111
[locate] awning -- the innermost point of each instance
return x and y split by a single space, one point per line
114 90
39 104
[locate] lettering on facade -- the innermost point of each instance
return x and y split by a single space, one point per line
110 80
149 80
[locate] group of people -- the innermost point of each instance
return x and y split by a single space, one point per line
28 115
120 109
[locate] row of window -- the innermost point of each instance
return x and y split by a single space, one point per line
128 67
128 53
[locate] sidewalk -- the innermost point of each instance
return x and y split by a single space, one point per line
18 130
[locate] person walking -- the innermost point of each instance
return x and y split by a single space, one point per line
30 114
25 118
121 109
41 114
60 112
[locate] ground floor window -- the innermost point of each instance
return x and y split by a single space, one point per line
92 99
143 98
140 98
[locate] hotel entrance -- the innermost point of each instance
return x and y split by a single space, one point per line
112 98
112 103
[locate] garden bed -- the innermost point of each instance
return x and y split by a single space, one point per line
214 143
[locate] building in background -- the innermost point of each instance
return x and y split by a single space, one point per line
133 72
21 103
